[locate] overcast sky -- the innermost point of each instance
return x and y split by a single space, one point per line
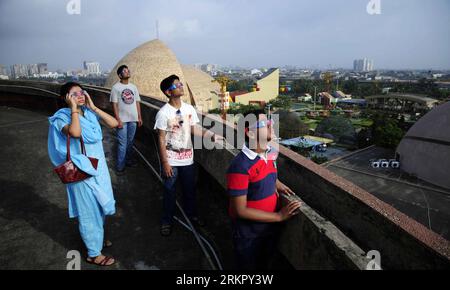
254 33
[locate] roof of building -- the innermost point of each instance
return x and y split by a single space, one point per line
202 86
237 93
269 72
149 64
326 94
353 101
306 141
423 99
425 149
153 61
341 94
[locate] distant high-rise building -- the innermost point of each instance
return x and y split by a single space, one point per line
42 68
206 68
3 70
209 68
33 69
363 65
4 75
92 68
19 70
357 65
369 66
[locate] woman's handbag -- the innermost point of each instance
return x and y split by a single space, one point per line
68 172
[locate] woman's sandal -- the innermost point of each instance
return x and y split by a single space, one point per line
166 230
103 262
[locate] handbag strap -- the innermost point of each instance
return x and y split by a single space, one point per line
83 149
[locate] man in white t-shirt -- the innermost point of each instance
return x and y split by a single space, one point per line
127 110
175 121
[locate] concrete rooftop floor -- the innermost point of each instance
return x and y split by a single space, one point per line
424 202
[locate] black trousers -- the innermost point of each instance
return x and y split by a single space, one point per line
254 253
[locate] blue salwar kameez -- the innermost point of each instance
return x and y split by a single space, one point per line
92 199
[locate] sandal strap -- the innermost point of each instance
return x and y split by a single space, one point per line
105 261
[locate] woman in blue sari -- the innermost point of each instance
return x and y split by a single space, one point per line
92 199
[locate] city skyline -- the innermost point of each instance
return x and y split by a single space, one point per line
217 67
230 33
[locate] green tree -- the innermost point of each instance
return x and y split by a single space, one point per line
365 138
290 125
337 126
281 102
386 131
241 85
350 86
388 135
303 86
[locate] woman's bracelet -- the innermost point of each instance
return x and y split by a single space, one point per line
75 113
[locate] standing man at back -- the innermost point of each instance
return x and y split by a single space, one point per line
127 110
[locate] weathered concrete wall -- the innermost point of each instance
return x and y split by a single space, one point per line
342 223
312 242
28 98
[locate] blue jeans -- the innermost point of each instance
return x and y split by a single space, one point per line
125 138
186 175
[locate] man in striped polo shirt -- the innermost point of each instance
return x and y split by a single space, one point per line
253 188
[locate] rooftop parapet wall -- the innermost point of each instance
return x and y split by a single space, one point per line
342 223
